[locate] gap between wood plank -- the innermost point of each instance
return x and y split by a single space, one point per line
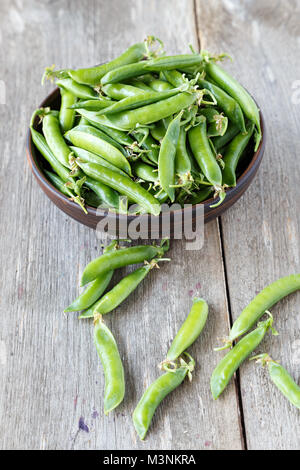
219 223
237 374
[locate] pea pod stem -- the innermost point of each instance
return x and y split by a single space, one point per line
281 378
112 299
95 288
118 259
236 356
123 185
155 393
268 297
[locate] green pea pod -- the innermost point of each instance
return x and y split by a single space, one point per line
190 330
146 141
108 352
220 141
137 101
109 197
128 120
182 160
123 185
60 185
281 378
119 293
155 393
174 77
42 146
145 172
80 91
92 76
123 73
119 91
173 62
92 105
226 103
89 157
55 140
91 139
268 297
95 288
166 159
66 115
119 259
233 154
203 153
159 130
139 84
236 356
200 196
238 92
160 85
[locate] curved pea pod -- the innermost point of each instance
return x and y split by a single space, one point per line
236 356
119 259
119 293
123 185
60 185
138 101
174 77
55 140
158 131
200 196
107 136
123 73
155 393
108 352
268 297
66 114
92 76
160 85
95 288
42 146
119 91
203 154
147 143
145 172
128 120
182 160
233 154
91 139
90 157
173 62
190 329
109 197
80 91
220 141
138 83
166 159
226 103
281 378
93 105
238 92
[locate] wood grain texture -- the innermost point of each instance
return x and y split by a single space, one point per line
261 232
50 374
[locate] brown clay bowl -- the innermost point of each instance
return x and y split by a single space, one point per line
247 172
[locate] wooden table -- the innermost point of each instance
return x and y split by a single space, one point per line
51 378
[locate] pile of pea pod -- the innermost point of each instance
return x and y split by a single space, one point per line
178 363
96 301
151 127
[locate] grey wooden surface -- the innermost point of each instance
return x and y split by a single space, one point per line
50 375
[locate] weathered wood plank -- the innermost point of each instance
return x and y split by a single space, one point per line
50 372
261 232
